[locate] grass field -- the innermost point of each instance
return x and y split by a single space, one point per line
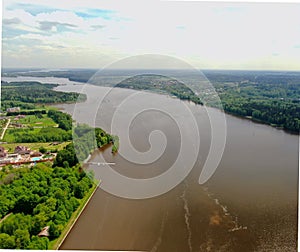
3 123
35 146
34 121
46 107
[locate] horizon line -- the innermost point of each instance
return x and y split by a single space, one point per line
200 69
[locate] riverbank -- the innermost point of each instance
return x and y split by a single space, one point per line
55 244
258 121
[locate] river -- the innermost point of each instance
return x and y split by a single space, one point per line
249 204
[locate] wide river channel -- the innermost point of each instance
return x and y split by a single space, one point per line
249 203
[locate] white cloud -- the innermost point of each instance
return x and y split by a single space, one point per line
208 35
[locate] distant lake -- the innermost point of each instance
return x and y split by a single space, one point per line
254 187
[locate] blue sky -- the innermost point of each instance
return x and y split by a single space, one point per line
42 33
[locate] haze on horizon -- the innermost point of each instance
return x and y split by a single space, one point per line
207 35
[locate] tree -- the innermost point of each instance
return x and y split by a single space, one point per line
22 238
60 217
80 189
5 206
55 229
66 157
40 243
16 222
26 203
7 241
39 221
42 149
66 164
33 208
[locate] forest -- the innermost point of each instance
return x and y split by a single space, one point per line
274 100
85 141
26 94
37 197
63 120
46 194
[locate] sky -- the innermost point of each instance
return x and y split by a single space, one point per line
94 34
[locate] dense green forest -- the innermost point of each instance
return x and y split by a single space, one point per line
46 194
85 141
38 197
32 135
33 111
63 120
267 98
26 94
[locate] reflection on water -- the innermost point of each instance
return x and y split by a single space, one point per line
250 203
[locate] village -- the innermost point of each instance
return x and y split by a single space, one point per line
18 153
24 155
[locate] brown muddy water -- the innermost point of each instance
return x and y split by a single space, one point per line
249 204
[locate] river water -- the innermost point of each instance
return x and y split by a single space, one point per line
249 204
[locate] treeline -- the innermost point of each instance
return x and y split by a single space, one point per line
85 141
63 120
275 113
28 112
38 197
269 98
258 77
21 105
25 93
43 135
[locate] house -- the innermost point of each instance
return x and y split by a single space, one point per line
22 150
44 232
13 110
3 152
